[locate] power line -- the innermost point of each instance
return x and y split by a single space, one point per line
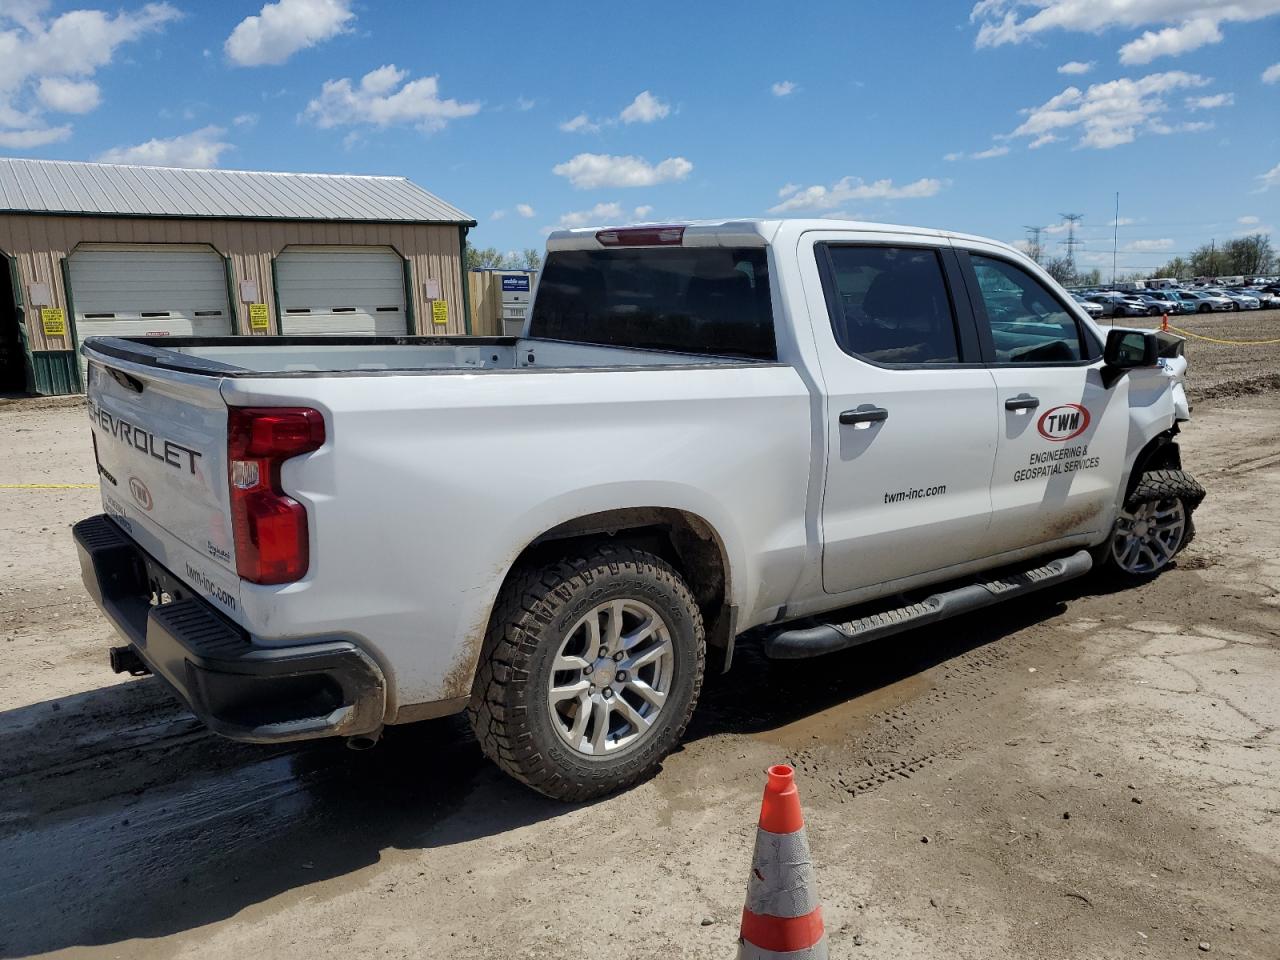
1071 219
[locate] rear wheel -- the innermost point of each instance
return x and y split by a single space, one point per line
1204 308
590 672
1152 527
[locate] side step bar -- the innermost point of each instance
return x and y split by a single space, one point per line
802 642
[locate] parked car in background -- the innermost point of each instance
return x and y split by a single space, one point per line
1094 310
1207 302
1159 303
1182 304
1266 299
1119 305
1239 301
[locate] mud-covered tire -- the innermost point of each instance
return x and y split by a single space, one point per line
1153 487
509 709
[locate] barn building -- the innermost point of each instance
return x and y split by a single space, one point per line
96 249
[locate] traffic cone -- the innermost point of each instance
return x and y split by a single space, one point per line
1164 324
782 917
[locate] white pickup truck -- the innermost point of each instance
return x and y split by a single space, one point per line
814 433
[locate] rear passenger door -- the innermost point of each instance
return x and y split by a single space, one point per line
1063 431
910 422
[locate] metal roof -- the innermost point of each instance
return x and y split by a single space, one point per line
110 189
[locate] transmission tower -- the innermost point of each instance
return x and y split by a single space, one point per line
1071 219
1035 248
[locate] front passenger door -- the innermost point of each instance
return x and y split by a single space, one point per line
1063 431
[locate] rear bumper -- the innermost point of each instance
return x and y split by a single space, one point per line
242 690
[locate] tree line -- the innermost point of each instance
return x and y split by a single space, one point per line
1249 256
490 258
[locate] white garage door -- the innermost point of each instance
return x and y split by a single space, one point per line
149 290
341 290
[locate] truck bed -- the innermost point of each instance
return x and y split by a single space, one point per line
303 355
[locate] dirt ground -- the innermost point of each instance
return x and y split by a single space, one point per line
1080 774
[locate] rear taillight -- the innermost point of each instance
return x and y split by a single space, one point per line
270 526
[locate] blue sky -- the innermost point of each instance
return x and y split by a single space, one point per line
982 118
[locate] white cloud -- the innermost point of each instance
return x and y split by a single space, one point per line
68 96
524 104
1149 246
643 211
645 108
1248 221
1191 23
46 63
281 29
246 120
819 197
1122 222
1108 114
1076 67
600 213
1210 102
200 148
1271 74
1269 179
497 215
1042 140
1171 41
524 210
30 139
384 99
987 154
787 189
783 88
953 157
580 124
588 171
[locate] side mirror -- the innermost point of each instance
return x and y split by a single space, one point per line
1127 349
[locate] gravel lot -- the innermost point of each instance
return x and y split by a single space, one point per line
1079 774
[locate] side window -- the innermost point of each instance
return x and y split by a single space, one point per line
890 305
1028 324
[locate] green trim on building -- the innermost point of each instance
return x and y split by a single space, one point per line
20 311
55 372
275 298
71 323
233 302
410 321
464 278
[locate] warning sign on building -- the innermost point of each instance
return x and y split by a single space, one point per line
440 311
54 321
259 317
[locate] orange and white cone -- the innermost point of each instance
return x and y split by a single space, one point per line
782 918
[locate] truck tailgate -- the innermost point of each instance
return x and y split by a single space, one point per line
160 437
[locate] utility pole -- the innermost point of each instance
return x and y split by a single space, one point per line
1035 248
1071 242
1115 239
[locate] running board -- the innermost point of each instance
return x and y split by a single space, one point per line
803 642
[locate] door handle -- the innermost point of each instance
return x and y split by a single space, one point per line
864 415
1023 401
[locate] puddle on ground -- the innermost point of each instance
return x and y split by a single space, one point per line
837 722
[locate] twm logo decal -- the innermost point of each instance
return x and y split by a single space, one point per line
1063 423
140 493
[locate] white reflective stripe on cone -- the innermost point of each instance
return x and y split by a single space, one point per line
782 882
749 951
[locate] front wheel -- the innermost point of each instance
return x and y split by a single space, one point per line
1152 527
590 671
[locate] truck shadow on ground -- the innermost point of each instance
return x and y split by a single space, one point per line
121 818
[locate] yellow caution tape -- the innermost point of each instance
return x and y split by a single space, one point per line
48 486
1242 343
